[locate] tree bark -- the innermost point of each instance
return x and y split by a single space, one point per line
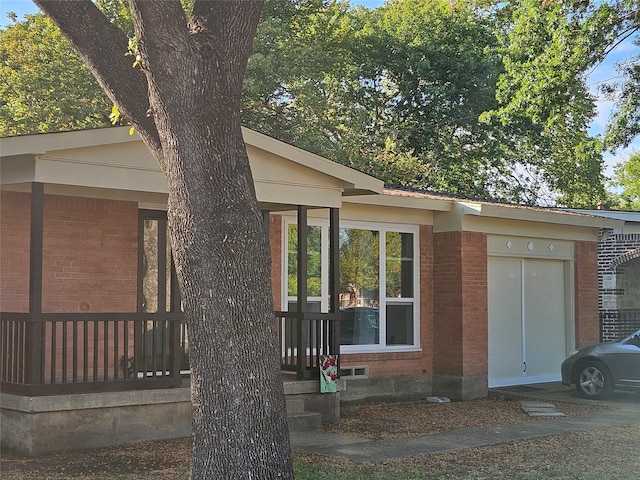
192 81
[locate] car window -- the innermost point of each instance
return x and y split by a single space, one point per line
635 340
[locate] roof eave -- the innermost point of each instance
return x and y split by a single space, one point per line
539 215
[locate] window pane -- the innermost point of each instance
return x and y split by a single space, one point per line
359 268
360 326
399 250
399 324
150 266
359 286
314 261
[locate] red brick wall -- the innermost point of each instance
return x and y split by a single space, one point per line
410 363
90 258
586 293
460 304
447 303
391 364
15 225
275 242
426 297
476 309
90 255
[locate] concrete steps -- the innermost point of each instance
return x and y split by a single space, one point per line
299 419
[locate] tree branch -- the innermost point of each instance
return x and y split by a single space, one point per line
102 46
226 27
163 43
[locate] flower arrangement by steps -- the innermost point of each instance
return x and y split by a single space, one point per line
328 373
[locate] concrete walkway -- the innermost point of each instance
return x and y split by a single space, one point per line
624 410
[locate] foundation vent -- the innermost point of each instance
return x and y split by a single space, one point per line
357 371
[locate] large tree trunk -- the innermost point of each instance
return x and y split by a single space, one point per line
223 266
189 117
222 260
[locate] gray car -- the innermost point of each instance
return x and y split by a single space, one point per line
598 369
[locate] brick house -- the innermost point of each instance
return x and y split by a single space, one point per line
434 294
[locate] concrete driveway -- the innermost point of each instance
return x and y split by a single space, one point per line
556 392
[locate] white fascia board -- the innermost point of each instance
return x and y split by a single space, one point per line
625 216
41 143
530 214
386 200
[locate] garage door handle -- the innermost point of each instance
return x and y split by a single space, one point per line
525 367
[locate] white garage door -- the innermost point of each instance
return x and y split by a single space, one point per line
527 325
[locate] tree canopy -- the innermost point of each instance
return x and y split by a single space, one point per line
476 98
624 125
626 179
44 86
547 50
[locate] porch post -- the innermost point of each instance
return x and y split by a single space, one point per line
334 260
301 291
334 278
302 259
34 341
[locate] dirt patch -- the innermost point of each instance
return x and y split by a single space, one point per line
395 420
150 460
169 460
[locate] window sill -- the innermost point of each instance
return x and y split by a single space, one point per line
352 349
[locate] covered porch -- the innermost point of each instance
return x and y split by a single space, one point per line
52 353
81 359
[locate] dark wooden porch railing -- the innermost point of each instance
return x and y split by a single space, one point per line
304 338
58 353
54 353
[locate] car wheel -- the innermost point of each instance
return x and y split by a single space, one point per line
594 380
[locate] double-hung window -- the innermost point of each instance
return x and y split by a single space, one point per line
379 286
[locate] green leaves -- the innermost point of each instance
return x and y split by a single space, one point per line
547 48
43 84
626 181
624 125
395 92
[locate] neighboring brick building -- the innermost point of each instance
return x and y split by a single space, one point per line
619 275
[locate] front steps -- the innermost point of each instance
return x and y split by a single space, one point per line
307 408
299 419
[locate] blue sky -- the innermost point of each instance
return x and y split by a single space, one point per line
605 71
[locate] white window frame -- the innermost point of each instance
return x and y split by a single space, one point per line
382 229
